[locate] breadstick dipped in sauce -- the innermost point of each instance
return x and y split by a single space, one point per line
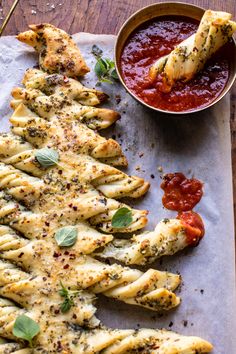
190 55
174 64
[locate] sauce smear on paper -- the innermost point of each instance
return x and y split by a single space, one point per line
193 227
181 193
157 38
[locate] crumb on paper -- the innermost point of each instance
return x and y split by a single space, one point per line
160 169
137 168
118 98
152 176
141 154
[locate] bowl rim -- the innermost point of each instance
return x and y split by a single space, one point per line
178 3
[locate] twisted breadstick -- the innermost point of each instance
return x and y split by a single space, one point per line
37 295
190 56
66 134
65 86
152 289
11 347
110 181
102 340
61 105
78 202
169 237
57 51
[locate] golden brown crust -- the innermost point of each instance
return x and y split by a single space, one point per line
58 52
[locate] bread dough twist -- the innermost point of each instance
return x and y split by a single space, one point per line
190 56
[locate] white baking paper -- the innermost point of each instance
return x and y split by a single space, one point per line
195 144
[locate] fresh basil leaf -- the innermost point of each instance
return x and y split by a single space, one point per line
25 328
114 74
96 51
47 157
100 68
122 218
106 80
66 236
106 63
110 63
105 70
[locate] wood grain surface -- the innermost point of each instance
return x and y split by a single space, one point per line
101 16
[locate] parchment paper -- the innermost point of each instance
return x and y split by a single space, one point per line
196 145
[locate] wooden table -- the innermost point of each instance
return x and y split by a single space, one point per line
101 16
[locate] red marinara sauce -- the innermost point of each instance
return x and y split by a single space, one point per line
157 38
180 193
193 225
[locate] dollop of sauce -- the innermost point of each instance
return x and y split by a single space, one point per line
157 38
193 225
181 193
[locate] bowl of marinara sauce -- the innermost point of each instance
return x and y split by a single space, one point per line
153 32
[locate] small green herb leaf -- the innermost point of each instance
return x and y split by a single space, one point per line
109 63
69 296
47 157
114 74
122 218
25 328
106 80
105 70
96 51
100 68
66 305
66 236
63 292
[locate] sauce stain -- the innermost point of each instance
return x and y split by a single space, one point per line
180 193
